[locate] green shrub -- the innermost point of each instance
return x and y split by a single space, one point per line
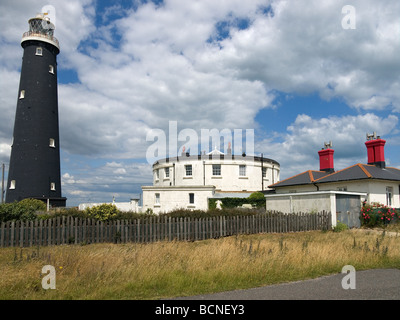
23 210
102 212
63 212
232 202
257 196
340 226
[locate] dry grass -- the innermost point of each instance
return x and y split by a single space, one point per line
167 269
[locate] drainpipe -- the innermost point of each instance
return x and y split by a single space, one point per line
273 180
262 169
204 173
315 185
173 168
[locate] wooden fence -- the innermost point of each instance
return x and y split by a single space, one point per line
69 230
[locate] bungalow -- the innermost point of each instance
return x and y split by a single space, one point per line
340 192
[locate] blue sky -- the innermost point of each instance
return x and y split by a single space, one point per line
286 69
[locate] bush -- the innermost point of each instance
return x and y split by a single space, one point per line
103 212
23 210
257 196
377 215
340 226
254 200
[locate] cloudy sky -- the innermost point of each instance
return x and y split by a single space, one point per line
298 72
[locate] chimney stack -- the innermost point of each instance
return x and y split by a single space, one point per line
326 158
376 150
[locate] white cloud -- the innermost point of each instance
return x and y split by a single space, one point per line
297 150
191 62
303 49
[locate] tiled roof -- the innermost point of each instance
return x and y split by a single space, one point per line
303 178
356 172
362 171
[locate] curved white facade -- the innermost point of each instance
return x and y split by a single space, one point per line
189 181
236 173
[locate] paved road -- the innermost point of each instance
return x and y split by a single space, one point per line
369 285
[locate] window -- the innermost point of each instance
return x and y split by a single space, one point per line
389 195
166 172
53 186
157 174
157 200
52 143
191 198
242 170
39 51
188 169
264 172
51 69
216 169
12 184
22 94
341 188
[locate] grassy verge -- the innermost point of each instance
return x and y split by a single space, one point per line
169 269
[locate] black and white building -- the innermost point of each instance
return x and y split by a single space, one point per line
35 155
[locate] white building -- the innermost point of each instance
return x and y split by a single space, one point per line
189 181
132 205
340 192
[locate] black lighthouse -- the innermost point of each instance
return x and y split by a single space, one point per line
34 170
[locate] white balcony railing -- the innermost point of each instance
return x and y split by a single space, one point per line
49 38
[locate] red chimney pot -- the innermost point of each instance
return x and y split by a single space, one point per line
326 160
376 152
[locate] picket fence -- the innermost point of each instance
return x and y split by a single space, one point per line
69 230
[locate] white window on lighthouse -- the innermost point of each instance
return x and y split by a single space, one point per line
12 184
39 51
53 186
52 143
22 94
51 69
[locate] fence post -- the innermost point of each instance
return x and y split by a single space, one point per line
2 230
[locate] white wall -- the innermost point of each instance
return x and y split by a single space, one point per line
133 205
300 202
172 198
375 189
308 202
229 180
